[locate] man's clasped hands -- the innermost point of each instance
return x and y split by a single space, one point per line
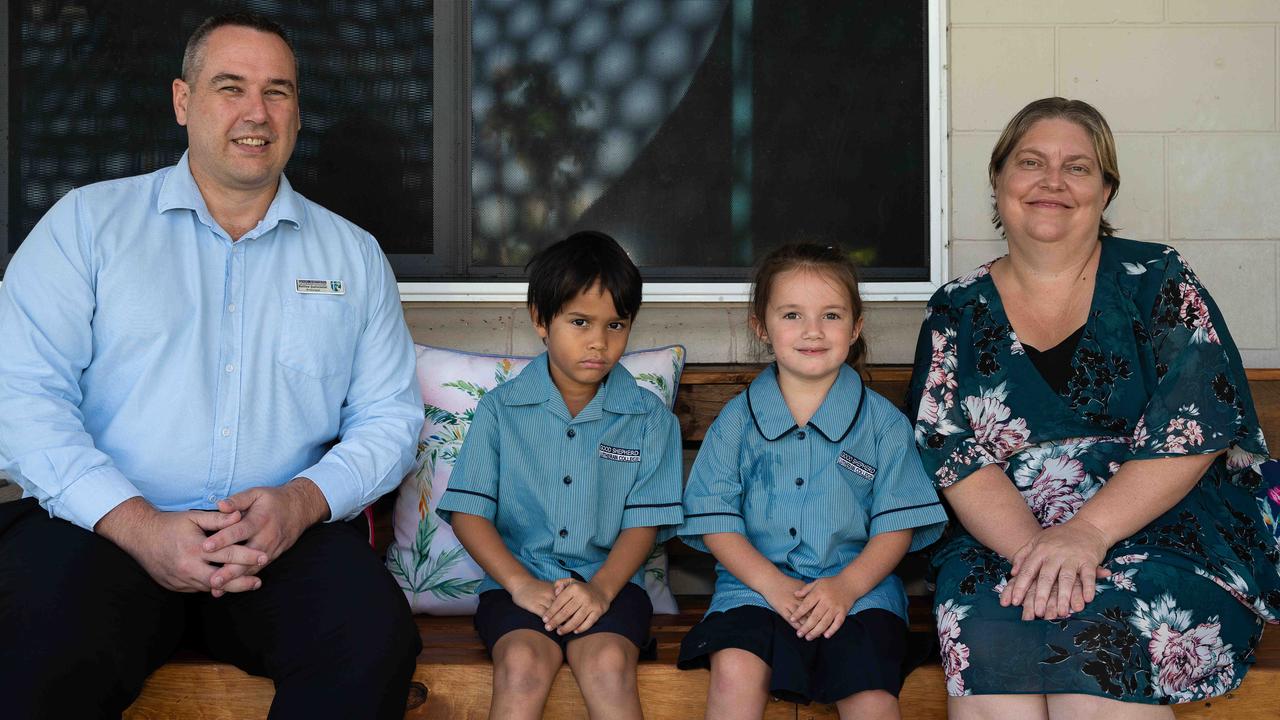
217 551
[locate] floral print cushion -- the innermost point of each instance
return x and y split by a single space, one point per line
426 559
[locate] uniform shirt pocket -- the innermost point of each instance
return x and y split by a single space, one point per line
318 337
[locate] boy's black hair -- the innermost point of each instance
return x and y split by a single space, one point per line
561 271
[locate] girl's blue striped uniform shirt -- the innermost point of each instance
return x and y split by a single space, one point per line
561 489
809 498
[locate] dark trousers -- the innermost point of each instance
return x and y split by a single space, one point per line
82 625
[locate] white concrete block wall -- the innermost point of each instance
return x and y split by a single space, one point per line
1189 86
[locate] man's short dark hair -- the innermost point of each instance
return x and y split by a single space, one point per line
559 272
193 57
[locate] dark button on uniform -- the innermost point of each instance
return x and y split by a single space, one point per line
799 482
561 561
793 532
571 432
568 480
801 435
565 533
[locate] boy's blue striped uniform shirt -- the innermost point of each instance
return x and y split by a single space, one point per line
560 489
809 498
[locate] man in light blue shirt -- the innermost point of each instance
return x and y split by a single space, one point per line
204 374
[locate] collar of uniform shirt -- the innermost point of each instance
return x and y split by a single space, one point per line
534 386
835 418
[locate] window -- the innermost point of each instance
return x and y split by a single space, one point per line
466 136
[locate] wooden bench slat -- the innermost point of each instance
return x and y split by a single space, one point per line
212 691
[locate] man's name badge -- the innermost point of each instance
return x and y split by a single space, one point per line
320 287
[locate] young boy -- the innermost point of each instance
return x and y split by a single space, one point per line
567 473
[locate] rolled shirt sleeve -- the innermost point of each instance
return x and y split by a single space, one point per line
654 500
381 416
473 485
713 497
47 303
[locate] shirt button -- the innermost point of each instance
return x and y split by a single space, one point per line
570 432
560 561
213 498
801 435
230 368
564 533
793 532
799 482
226 432
568 480
231 307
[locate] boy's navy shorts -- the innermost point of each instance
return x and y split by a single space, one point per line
628 616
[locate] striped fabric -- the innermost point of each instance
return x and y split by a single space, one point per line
809 498
560 489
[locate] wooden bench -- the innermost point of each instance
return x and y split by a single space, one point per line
453 676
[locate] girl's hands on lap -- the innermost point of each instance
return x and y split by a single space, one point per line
1056 571
781 596
823 606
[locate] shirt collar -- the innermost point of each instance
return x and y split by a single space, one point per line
834 419
534 386
179 191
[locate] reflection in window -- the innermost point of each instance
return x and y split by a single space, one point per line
700 133
89 91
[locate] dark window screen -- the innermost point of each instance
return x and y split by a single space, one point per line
701 133
90 100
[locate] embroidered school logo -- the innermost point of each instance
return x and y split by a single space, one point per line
853 464
616 454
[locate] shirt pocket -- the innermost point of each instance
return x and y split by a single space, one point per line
856 491
318 337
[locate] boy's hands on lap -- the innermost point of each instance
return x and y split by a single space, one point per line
577 606
533 595
823 606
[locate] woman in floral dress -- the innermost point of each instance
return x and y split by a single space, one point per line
1084 412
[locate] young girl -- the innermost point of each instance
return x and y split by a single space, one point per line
808 491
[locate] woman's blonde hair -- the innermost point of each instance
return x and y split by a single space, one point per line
1056 108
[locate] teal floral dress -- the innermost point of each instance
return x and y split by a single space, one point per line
1155 375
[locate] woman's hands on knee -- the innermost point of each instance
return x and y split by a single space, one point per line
1055 573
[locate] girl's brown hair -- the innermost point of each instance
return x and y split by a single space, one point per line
826 259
